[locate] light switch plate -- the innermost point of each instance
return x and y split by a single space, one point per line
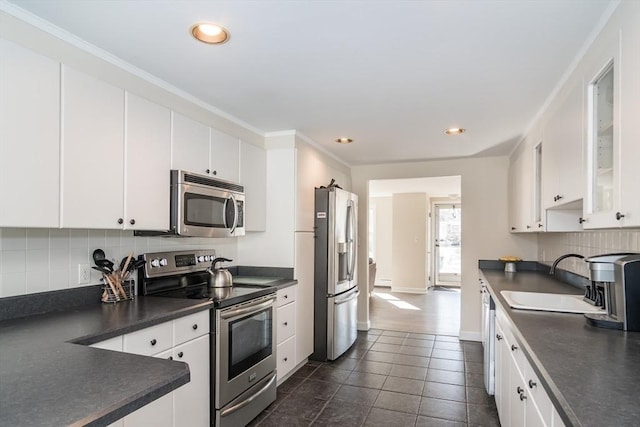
84 274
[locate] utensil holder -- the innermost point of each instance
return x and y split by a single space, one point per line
109 297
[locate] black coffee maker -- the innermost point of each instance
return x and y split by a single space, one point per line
623 297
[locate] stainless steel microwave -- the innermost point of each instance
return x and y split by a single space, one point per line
202 206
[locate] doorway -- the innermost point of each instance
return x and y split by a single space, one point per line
402 230
447 254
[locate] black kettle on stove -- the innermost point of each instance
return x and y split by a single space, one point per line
219 277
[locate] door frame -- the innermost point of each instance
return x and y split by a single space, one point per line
432 251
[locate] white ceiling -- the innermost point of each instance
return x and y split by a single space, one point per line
391 74
442 186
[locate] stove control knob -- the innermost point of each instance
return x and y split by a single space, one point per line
155 262
207 258
163 262
201 258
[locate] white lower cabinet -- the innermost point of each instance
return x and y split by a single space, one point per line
286 332
520 398
187 340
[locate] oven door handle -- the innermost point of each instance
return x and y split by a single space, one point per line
247 309
244 403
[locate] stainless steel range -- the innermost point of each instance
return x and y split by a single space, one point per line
243 374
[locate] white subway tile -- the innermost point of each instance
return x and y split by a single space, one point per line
58 239
14 262
37 260
59 259
58 279
97 239
77 256
79 239
14 284
37 281
112 238
37 238
127 239
141 244
14 239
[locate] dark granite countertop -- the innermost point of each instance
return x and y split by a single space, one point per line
592 375
48 375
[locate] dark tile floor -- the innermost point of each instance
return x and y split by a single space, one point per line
388 378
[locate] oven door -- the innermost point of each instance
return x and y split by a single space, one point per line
245 347
208 212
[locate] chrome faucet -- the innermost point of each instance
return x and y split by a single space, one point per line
552 271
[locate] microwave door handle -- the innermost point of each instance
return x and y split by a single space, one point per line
235 214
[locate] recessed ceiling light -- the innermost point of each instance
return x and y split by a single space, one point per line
344 140
207 32
454 131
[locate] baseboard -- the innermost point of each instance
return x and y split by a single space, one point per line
364 326
409 290
470 336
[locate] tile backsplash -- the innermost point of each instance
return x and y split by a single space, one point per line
586 243
36 260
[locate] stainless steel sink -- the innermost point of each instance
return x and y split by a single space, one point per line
563 303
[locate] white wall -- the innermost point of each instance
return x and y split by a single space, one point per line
383 236
484 222
409 243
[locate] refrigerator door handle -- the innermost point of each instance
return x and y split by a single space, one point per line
350 240
350 298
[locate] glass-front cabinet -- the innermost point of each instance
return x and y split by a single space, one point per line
601 137
602 81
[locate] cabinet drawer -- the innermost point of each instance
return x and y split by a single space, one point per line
286 295
285 319
190 327
286 357
538 394
513 345
151 340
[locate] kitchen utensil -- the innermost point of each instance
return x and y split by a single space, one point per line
98 254
221 293
219 277
123 268
104 264
102 270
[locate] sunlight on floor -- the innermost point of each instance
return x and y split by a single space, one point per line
396 301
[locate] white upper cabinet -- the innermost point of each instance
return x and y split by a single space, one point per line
29 138
201 149
148 160
224 156
253 176
612 112
562 158
521 189
92 152
190 141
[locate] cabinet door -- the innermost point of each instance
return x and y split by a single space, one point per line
192 399
563 150
224 156
92 152
502 375
190 144
286 326
29 138
521 190
602 84
253 175
158 413
286 357
148 160
513 397
303 271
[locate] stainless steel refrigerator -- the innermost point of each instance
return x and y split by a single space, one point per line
335 277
